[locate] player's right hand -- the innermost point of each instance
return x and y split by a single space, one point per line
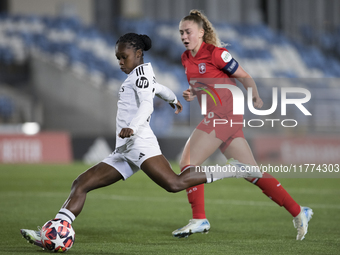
125 132
257 101
188 95
178 105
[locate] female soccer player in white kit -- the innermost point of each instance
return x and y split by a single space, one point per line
136 145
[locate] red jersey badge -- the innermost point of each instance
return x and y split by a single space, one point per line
202 68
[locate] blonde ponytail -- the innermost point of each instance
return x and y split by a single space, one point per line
210 35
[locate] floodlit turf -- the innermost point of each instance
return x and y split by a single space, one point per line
137 216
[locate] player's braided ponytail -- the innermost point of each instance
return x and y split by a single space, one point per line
210 35
137 41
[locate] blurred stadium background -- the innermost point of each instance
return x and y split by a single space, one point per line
59 75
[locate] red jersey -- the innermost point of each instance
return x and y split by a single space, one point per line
211 65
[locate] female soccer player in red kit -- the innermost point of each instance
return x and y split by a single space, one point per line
203 59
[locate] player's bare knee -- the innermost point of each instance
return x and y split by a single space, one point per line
172 189
78 185
75 184
173 186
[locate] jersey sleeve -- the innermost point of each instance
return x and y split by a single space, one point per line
145 90
224 61
165 93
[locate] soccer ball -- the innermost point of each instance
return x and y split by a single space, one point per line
57 235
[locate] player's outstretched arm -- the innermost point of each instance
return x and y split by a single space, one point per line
242 76
169 96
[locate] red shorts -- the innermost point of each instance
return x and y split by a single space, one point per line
224 131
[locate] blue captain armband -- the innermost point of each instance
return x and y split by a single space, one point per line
231 67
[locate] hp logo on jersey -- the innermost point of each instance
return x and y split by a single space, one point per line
142 82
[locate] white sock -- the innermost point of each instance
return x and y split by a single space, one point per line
235 170
214 174
65 214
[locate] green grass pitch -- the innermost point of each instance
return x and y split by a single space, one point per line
137 217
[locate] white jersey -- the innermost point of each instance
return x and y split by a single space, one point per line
135 103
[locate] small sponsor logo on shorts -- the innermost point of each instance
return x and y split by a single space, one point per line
141 155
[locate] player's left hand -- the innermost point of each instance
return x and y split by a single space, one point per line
125 132
178 105
258 103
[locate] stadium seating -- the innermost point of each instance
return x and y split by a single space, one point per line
68 43
6 109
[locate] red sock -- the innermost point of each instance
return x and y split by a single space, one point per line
196 199
273 189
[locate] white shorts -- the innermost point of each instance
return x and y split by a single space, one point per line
128 158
